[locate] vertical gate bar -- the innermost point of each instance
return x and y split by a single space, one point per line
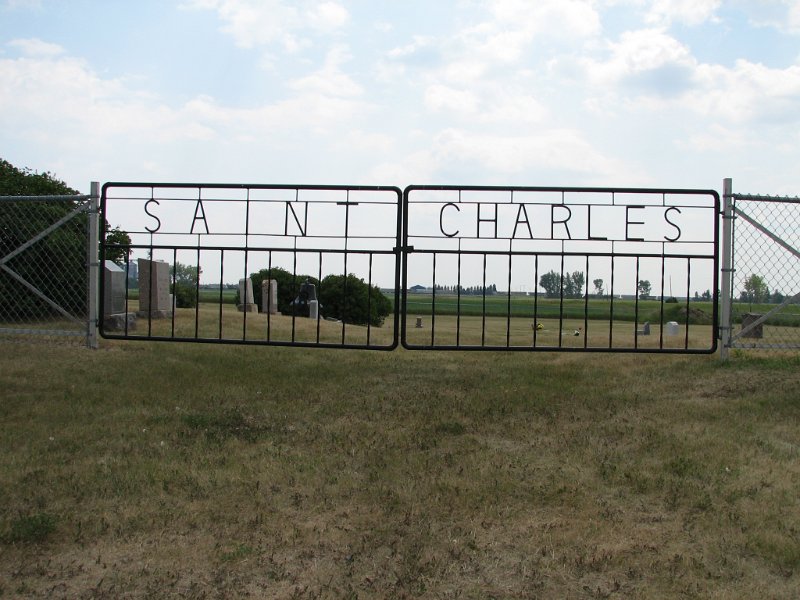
319 297
269 299
688 294
508 304
369 301
127 287
221 279
174 302
611 304
93 265
433 301
149 292
246 257
458 296
346 238
661 335
196 291
294 287
483 309
727 269
535 298
561 299
636 308
586 308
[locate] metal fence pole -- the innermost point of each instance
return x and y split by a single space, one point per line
725 325
93 263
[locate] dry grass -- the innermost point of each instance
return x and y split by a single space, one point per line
177 470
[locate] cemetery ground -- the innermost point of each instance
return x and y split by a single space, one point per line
212 471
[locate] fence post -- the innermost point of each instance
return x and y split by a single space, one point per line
93 260
727 268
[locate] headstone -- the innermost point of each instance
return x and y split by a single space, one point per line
645 330
114 316
269 296
672 328
114 289
246 303
755 332
419 323
300 305
313 309
154 296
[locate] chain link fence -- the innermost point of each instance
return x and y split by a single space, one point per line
765 290
46 292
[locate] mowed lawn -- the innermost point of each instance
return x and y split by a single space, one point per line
161 470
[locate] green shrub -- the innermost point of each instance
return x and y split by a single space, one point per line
352 300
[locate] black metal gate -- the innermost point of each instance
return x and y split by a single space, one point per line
314 264
509 268
436 267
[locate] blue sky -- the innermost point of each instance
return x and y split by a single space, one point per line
658 93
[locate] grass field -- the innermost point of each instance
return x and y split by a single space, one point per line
175 470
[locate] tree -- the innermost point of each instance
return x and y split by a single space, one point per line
351 300
56 264
755 290
185 287
551 283
118 244
598 287
573 284
644 288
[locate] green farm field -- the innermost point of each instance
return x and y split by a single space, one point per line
174 470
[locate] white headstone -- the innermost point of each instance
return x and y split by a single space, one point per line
269 296
114 289
313 309
672 328
246 303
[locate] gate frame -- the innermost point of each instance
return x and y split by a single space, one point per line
407 248
395 252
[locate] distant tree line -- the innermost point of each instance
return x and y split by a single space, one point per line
474 290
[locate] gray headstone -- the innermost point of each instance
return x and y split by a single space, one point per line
114 289
269 296
313 309
246 303
154 296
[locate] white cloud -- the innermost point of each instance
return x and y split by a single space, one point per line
746 92
638 52
329 80
36 47
256 23
689 12
327 16
441 97
554 149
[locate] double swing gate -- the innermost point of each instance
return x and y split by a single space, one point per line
429 267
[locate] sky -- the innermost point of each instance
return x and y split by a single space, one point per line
653 93
620 93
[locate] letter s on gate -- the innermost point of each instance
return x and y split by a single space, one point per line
149 214
666 218
441 219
